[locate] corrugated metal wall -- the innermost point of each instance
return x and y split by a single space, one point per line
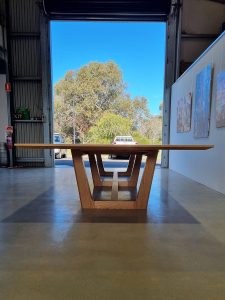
25 22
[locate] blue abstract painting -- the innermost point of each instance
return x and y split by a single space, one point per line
202 103
220 100
184 113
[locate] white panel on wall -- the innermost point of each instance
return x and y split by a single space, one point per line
3 110
206 167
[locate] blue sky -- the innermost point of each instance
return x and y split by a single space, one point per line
138 49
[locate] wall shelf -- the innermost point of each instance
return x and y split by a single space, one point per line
28 121
30 160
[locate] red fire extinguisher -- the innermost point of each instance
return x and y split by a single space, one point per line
8 87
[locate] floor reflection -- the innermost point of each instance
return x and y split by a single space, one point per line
52 207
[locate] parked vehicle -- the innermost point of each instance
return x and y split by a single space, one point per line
59 153
122 140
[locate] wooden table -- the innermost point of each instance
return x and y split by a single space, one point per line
121 186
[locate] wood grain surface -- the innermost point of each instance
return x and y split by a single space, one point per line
111 149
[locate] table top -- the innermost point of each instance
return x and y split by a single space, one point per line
111 149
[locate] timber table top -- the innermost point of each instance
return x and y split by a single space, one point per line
118 189
110 148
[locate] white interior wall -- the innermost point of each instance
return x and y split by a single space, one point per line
206 167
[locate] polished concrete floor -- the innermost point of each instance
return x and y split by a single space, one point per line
50 249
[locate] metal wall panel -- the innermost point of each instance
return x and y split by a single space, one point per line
26 57
24 15
26 72
28 94
29 133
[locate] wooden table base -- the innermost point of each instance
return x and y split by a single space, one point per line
113 182
117 185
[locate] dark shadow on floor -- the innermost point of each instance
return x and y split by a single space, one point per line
162 208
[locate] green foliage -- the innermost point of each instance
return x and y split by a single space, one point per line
161 108
108 127
61 119
135 109
87 94
140 139
94 102
152 129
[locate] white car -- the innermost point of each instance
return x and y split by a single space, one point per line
123 140
59 153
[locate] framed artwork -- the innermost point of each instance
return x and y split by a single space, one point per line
184 113
220 100
202 102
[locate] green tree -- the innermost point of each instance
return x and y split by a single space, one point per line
152 129
82 98
134 109
161 108
140 139
141 112
61 118
87 94
108 127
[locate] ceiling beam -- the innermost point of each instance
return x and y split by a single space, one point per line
218 1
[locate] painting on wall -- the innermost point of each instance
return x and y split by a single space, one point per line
220 100
202 102
184 113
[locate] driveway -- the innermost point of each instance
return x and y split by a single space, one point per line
108 163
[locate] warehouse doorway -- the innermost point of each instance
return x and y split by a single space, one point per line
126 61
